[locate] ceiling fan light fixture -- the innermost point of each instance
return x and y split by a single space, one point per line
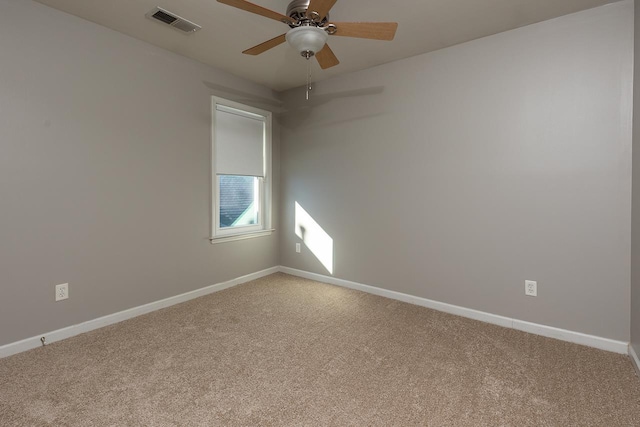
307 40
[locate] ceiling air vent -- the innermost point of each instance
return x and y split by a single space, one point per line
172 20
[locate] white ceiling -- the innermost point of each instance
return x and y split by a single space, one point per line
424 26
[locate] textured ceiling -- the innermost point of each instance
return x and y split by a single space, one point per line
424 26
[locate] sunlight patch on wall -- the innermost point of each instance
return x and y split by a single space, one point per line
314 237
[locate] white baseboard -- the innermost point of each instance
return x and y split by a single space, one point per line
634 359
547 331
90 325
607 344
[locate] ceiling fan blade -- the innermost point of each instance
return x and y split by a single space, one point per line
259 10
326 58
321 7
263 47
366 30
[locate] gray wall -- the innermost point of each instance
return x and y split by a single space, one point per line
458 174
635 222
104 172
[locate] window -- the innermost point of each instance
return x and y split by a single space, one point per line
241 166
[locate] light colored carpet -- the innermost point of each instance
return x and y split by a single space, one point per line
288 351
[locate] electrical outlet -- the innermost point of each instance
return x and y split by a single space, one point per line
62 291
298 247
531 288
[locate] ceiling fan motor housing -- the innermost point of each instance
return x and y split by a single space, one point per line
297 10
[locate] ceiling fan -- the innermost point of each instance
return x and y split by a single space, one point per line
310 28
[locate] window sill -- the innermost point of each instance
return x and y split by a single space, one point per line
243 236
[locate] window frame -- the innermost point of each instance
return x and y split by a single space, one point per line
263 227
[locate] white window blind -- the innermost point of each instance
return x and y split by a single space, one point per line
239 138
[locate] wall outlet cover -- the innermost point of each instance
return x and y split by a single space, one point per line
531 288
62 292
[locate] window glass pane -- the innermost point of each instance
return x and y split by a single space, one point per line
239 200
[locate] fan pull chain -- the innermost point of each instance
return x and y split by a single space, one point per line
308 78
